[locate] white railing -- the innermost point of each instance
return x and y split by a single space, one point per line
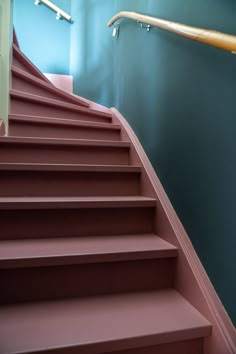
60 13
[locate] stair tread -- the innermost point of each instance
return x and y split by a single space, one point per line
62 141
115 321
47 86
61 251
68 167
57 103
8 203
61 121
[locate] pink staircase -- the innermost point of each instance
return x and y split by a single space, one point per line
93 258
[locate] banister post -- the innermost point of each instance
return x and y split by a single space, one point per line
6 35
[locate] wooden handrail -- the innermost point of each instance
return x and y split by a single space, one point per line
213 38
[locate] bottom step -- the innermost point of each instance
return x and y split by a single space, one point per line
101 324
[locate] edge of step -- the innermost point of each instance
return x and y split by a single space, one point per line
59 104
82 250
63 142
60 121
39 203
68 167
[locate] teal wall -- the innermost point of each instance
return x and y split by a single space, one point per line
42 38
179 97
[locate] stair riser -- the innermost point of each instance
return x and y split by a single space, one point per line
24 153
57 183
25 224
48 283
21 84
26 129
194 346
25 107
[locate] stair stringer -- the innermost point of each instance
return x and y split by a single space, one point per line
191 279
40 76
15 40
93 105
2 128
17 53
33 74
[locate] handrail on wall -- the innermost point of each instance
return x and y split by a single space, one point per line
60 13
216 39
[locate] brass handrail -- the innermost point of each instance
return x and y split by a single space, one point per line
213 38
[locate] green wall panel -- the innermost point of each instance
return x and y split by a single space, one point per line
179 97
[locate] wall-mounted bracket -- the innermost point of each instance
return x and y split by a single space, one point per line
59 12
58 16
143 25
116 30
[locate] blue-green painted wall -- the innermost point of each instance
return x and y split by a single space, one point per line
42 38
179 97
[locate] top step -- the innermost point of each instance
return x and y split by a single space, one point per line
22 62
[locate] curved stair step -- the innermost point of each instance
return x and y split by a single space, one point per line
26 82
35 126
28 104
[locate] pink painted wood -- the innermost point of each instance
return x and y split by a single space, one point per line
34 105
91 250
28 126
26 82
21 61
191 279
2 128
63 82
15 40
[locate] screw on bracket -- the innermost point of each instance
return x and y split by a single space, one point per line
148 27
